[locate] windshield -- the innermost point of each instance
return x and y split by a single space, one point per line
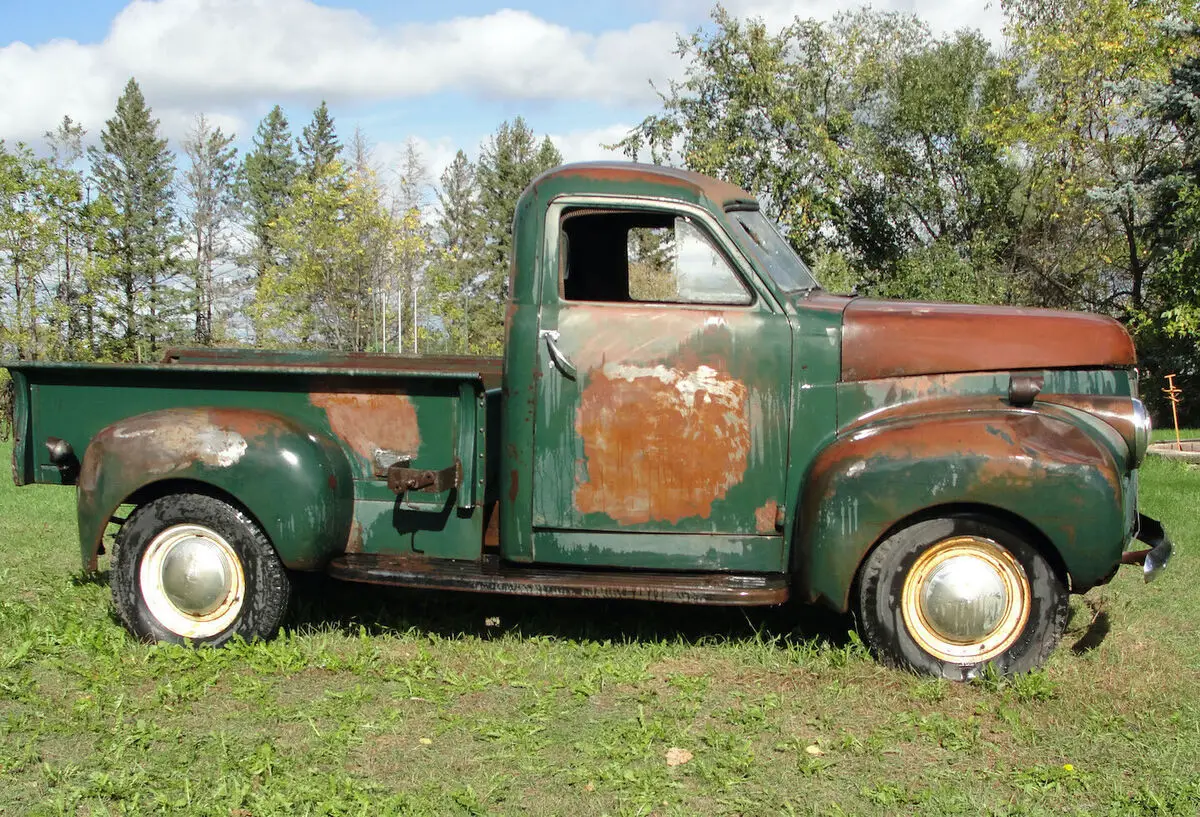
780 260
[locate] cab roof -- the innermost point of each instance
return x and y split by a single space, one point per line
640 178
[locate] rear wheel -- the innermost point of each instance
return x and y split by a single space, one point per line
190 567
949 596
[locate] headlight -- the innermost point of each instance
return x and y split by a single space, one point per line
1141 432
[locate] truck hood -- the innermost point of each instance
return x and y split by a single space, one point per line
898 338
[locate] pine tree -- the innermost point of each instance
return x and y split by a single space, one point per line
509 160
319 146
459 257
266 182
209 185
134 170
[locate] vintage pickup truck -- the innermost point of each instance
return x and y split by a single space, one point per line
681 414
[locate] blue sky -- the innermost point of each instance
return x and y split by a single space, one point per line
443 74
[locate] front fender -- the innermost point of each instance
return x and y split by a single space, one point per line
295 482
1041 466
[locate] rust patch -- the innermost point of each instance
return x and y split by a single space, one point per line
626 173
513 484
660 443
370 421
250 424
489 369
161 442
764 517
491 525
897 338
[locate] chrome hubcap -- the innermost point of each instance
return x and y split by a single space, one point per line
192 581
966 600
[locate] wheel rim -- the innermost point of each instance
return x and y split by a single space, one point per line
966 600
192 581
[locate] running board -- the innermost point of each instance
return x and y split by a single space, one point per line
491 575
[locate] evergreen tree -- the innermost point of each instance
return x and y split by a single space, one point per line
318 144
209 187
266 182
509 160
134 170
459 256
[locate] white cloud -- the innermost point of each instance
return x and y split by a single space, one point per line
228 56
943 16
588 145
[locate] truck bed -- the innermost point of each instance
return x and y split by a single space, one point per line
366 401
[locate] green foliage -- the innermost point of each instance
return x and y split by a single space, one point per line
318 143
458 261
320 293
509 160
866 137
265 185
26 243
134 170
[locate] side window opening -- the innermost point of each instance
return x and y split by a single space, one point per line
644 257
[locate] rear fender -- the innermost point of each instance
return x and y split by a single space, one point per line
1041 467
295 482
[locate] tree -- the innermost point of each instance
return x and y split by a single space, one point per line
320 291
458 257
1086 148
75 238
411 239
134 170
26 246
929 202
265 182
509 160
318 144
209 187
779 114
1168 327
865 136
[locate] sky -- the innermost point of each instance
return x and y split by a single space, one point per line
441 74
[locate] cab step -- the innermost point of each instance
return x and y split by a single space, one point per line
490 574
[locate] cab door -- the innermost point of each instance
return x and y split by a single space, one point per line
663 387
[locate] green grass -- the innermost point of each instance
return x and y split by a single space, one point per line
396 702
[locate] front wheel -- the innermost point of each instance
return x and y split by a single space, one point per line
949 596
192 568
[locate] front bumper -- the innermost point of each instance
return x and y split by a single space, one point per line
1155 558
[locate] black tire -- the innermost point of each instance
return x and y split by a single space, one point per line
252 603
890 611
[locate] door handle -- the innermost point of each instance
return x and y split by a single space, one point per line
560 360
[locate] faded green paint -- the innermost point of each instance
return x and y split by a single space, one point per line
787 469
661 551
259 460
1041 467
77 401
533 285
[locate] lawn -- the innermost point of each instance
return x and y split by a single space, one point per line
399 702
